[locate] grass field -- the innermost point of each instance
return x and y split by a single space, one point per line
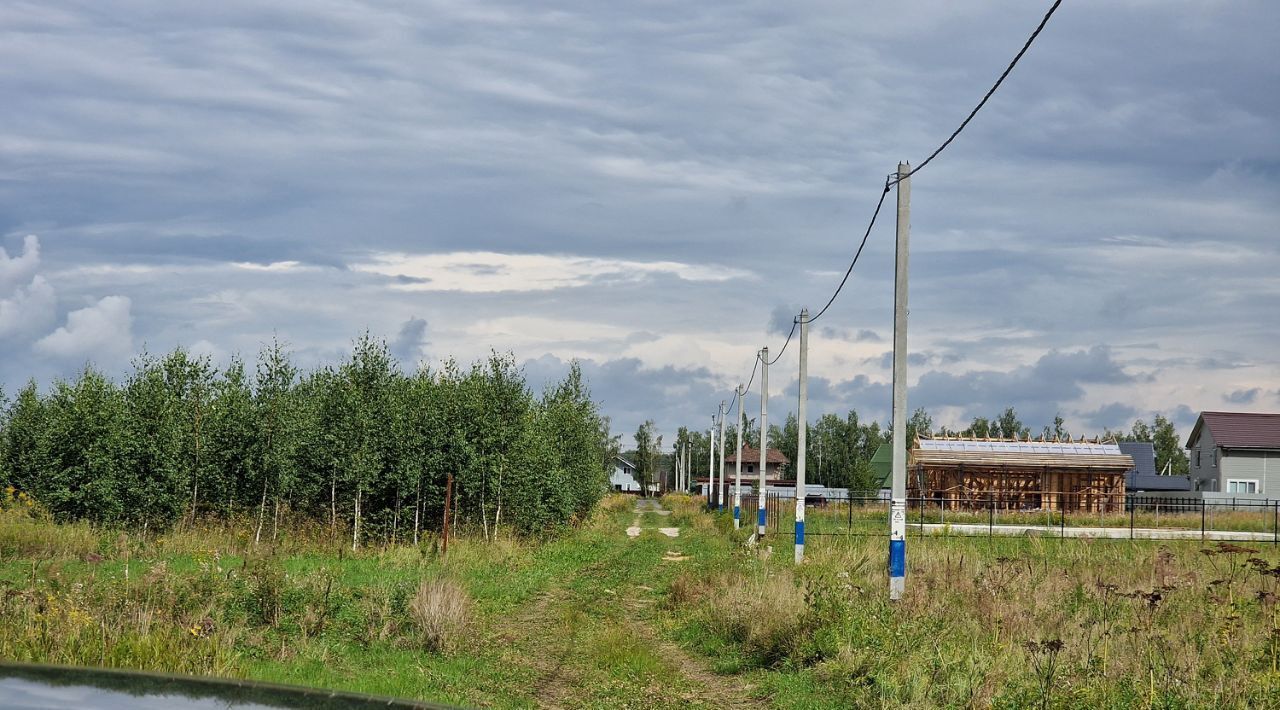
596 618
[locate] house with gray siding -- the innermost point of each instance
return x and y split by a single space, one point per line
1236 453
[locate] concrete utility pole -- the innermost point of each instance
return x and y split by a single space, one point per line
678 458
721 494
737 475
802 426
711 464
761 493
898 504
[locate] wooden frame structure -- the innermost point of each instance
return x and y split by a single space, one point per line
1010 474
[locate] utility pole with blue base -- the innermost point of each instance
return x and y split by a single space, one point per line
761 492
802 427
737 474
898 502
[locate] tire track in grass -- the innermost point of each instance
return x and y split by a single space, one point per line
591 638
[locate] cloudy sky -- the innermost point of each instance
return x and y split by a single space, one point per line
653 188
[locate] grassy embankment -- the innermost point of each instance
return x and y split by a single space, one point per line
596 619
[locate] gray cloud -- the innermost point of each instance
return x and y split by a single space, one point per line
782 319
1116 415
1037 391
860 335
1248 396
407 346
229 182
672 396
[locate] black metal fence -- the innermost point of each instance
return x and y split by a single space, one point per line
1131 517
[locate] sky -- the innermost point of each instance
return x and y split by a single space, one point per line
655 189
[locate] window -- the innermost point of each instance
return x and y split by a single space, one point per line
1197 457
1242 486
1213 457
751 468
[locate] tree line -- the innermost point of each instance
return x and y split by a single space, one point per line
361 447
839 449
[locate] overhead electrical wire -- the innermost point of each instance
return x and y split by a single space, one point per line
746 389
754 368
856 254
895 178
794 323
1044 21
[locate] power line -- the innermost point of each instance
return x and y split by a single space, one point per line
856 254
754 367
794 322
894 179
746 389
1044 21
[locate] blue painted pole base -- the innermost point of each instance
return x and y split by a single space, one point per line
897 568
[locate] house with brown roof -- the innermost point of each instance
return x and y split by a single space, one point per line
1236 452
774 462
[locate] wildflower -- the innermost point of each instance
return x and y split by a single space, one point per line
202 629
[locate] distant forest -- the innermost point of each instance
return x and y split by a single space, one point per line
360 447
839 450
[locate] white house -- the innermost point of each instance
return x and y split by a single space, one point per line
623 477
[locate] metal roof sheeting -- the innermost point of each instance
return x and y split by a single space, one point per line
1084 448
1240 430
1104 456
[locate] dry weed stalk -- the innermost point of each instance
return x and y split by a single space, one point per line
441 608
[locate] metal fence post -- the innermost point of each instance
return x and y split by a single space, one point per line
991 517
1133 508
849 495
1203 514
1275 524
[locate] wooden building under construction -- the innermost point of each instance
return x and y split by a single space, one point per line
1009 474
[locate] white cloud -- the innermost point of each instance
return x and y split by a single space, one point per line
492 272
102 333
18 270
28 311
275 266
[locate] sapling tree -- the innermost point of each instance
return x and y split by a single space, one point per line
275 416
231 435
361 442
